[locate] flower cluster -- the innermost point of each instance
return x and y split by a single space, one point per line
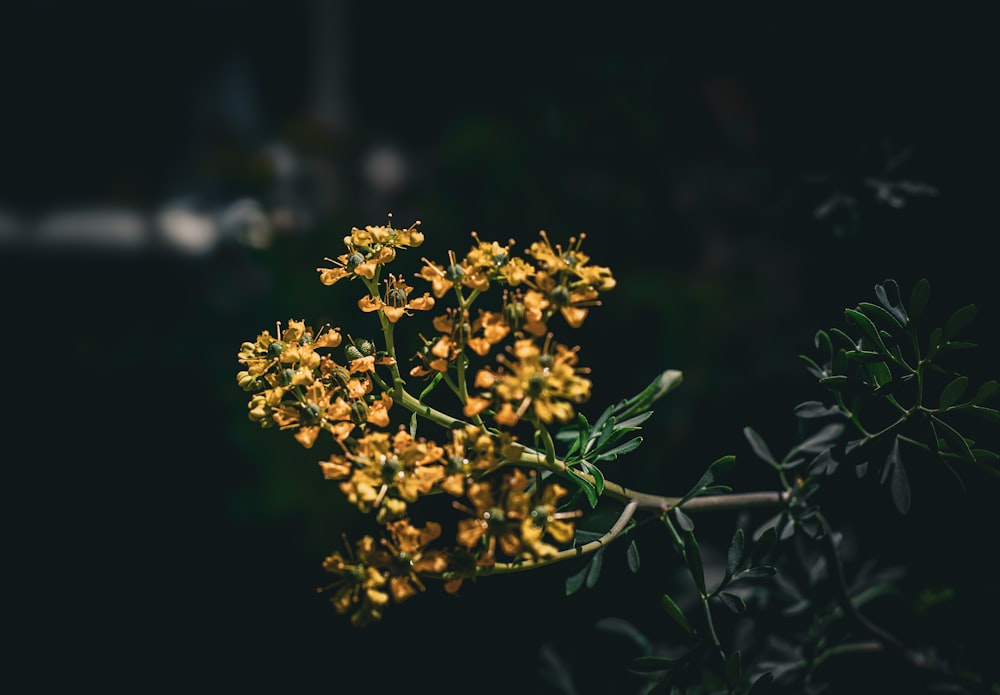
503 510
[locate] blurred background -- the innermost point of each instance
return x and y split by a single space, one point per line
173 173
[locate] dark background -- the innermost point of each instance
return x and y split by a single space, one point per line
173 173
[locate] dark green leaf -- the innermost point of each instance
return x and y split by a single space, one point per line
953 391
758 446
874 311
632 556
768 529
598 476
612 454
734 669
663 384
674 611
880 374
899 484
588 487
633 423
918 298
734 557
762 572
651 664
683 520
843 337
813 368
864 355
764 541
956 442
888 295
733 602
692 553
787 529
594 568
823 344
834 382
824 463
761 684
985 456
815 409
867 327
575 581
959 320
823 439
985 392
934 341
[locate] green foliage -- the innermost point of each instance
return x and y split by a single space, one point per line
889 387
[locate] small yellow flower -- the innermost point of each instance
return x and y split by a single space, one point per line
396 302
367 249
546 380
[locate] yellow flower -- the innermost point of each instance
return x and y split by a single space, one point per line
397 300
389 472
495 517
360 586
409 556
544 380
472 450
367 249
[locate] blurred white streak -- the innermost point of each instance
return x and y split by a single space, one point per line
187 230
385 169
109 229
246 222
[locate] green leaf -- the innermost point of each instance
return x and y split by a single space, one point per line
952 392
666 382
734 557
919 296
575 581
985 456
934 341
759 447
761 684
959 320
874 311
899 484
864 356
588 487
823 439
734 669
888 295
823 344
815 409
867 327
596 472
985 392
674 611
761 572
733 602
833 381
632 556
956 442
594 568
692 553
612 454
683 520
652 664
